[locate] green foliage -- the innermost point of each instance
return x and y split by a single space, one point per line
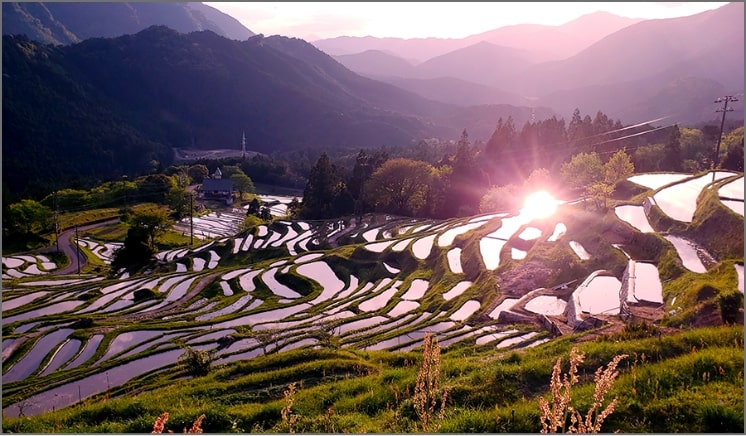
400 186
584 169
28 216
501 199
196 362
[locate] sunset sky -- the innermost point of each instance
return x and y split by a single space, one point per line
320 20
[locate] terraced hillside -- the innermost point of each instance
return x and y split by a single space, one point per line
493 281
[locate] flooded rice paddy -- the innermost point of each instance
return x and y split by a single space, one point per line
306 290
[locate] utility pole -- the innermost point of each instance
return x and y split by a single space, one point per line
716 158
77 247
56 224
191 219
124 189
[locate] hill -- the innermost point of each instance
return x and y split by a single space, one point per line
598 62
142 95
341 310
66 23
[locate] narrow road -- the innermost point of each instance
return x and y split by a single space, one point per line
68 247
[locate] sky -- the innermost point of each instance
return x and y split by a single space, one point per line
312 21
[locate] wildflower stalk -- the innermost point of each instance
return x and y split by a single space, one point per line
428 392
554 416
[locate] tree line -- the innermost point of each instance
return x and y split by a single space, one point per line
587 157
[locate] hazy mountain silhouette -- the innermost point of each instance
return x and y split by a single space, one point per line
377 63
619 65
641 60
547 43
541 42
65 23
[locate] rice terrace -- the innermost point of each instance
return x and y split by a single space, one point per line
387 218
325 303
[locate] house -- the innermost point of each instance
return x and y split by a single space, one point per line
216 188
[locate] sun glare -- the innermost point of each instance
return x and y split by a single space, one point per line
539 204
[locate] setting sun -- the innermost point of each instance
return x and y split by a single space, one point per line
539 204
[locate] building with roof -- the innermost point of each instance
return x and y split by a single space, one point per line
216 188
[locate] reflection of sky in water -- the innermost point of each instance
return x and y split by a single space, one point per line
31 361
732 189
457 290
635 216
422 246
547 305
687 253
739 271
505 305
655 181
416 290
579 250
454 261
466 310
647 283
22 300
680 200
63 354
52 309
490 250
601 295
447 237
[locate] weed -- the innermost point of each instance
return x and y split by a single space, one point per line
554 417
160 424
428 391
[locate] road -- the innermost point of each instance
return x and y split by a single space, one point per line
68 247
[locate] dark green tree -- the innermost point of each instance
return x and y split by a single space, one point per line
321 190
672 159
198 172
242 183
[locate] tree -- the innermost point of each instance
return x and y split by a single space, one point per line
29 216
321 190
254 206
293 207
672 159
154 187
618 168
504 198
179 200
400 186
734 150
583 170
136 249
154 221
198 173
242 183
467 181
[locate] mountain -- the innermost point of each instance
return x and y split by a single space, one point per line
483 63
416 50
377 63
626 70
556 42
456 91
542 43
110 106
65 23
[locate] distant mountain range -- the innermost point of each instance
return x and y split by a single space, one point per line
109 106
602 62
70 22
88 96
542 43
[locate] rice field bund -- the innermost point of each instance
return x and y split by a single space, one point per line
500 281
